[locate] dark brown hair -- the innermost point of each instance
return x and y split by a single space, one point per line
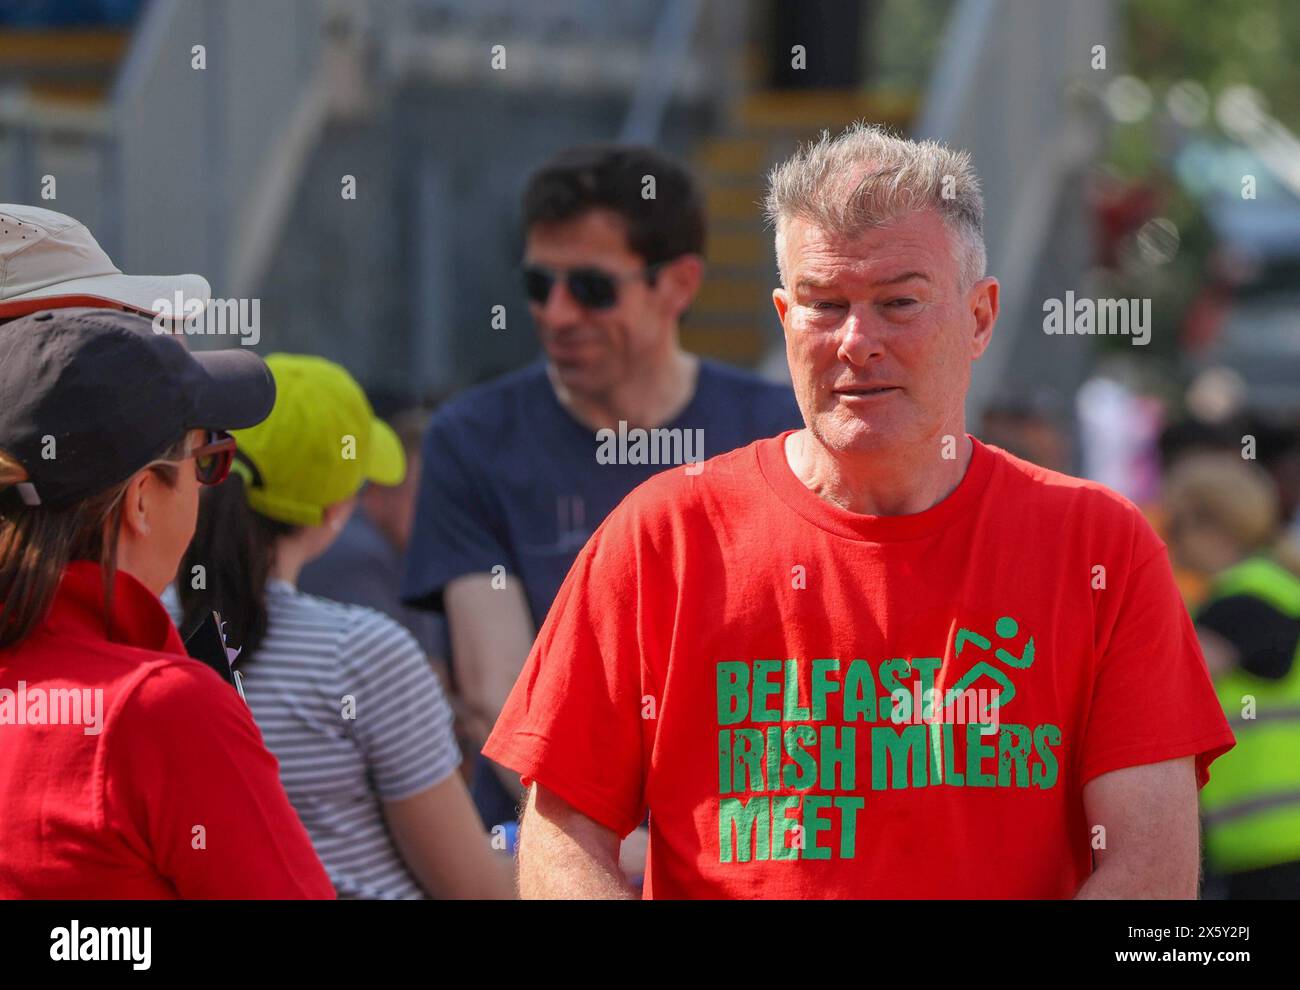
38 542
235 546
611 176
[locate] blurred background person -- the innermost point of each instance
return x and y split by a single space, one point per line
1280 446
514 482
344 695
1199 432
118 802
364 565
1028 427
1223 522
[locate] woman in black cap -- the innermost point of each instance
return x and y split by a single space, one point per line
127 769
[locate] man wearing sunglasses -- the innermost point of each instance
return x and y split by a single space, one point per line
514 480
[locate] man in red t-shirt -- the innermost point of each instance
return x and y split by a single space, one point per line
873 657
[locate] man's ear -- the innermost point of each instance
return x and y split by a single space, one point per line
680 280
781 300
984 309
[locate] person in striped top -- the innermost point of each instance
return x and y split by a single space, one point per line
344 696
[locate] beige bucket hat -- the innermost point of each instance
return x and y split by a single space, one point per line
51 261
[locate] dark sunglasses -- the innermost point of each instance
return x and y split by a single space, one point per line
591 288
212 460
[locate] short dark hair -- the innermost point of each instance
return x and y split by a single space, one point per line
611 177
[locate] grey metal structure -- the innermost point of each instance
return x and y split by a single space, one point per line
1002 90
228 159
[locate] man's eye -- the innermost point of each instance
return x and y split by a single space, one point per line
824 304
900 303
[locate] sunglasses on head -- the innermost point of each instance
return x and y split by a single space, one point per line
212 459
591 288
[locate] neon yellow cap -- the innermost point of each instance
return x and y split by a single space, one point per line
320 444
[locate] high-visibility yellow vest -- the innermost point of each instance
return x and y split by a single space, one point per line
1251 805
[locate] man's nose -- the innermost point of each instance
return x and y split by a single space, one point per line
859 339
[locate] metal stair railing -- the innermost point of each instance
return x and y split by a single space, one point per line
999 91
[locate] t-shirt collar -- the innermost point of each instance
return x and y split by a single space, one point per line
689 413
875 529
279 586
138 618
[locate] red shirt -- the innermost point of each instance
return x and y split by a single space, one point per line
158 787
726 650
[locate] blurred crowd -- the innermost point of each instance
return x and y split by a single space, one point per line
1226 500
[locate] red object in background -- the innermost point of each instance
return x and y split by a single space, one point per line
1121 208
1205 318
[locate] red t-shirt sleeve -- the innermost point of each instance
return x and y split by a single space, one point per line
573 720
189 781
1152 699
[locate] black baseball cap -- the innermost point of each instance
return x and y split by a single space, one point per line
88 397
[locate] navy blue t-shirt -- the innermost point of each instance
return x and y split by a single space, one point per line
511 478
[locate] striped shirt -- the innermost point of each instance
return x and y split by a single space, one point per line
348 703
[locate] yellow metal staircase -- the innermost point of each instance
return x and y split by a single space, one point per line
732 318
69 66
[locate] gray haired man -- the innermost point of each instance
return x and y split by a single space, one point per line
873 657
